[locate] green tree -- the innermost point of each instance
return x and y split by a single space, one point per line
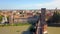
55 18
1 18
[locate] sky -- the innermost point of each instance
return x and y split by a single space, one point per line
29 4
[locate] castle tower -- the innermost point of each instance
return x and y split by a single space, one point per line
11 18
43 23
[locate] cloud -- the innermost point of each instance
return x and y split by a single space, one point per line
50 5
53 4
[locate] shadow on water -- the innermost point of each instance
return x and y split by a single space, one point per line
26 32
53 25
31 29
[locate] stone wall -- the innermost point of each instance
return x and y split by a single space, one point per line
25 20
